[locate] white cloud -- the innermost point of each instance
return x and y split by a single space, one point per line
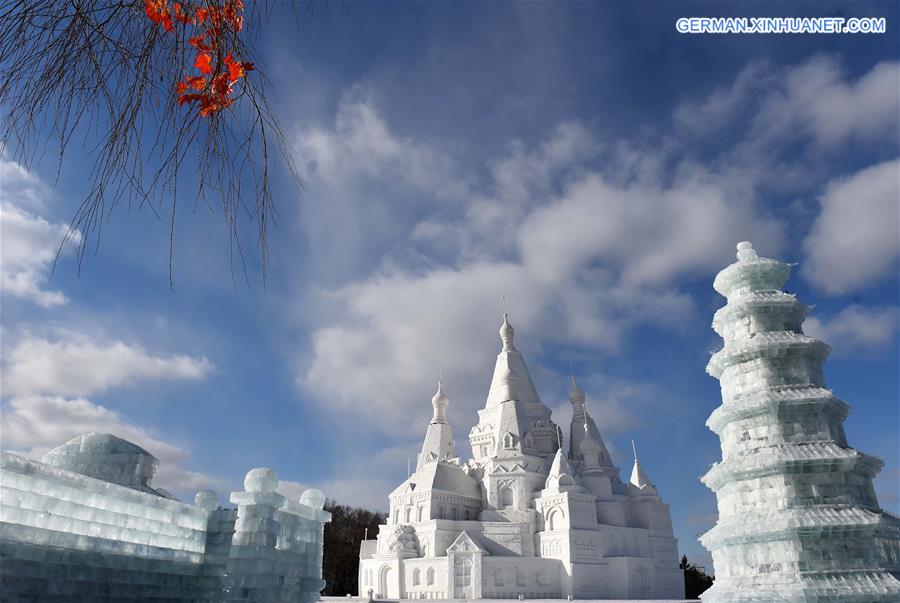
815 99
32 425
73 364
582 255
833 109
20 187
28 245
361 145
856 328
719 108
855 242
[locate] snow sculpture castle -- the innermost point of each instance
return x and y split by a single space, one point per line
521 517
798 518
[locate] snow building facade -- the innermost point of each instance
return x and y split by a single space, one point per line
798 518
87 525
523 517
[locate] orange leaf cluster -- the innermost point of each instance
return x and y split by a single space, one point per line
212 90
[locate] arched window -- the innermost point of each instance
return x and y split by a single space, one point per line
424 547
506 497
417 577
408 514
429 576
466 515
453 514
521 578
508 441
396 516
553 519
441 512
421 513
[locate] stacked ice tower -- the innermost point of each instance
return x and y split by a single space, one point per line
798 517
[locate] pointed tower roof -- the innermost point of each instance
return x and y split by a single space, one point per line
560 476
588 442
512 425
584 437
510 360
639 477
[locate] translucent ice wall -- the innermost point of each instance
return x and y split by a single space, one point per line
66 536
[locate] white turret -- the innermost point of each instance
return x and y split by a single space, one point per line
438 444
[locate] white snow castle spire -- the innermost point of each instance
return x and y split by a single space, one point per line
438 444
798 517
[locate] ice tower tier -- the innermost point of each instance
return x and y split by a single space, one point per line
798 516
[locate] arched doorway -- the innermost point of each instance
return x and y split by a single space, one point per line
387 583
506 497
642 579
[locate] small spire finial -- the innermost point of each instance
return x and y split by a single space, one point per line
634 450
745 251
506 333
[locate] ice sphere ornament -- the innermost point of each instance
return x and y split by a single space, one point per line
261 479
207 499
312 498
798 518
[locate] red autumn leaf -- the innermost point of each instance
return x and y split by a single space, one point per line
203 62
235 68
221 85
248 66
200 16
182 86
180 14
197 83
158 12
190 98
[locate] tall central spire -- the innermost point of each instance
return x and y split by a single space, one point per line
510 361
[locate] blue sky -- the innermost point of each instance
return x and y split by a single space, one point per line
583 160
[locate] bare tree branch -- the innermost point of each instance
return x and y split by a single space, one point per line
101 70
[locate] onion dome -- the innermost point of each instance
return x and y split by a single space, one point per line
440 401
576 396
507 333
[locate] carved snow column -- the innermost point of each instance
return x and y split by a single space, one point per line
276 550
798 518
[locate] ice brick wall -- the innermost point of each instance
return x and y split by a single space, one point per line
798 516
70 537
276 550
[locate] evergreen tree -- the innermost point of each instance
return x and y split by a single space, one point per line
696 581
340 567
